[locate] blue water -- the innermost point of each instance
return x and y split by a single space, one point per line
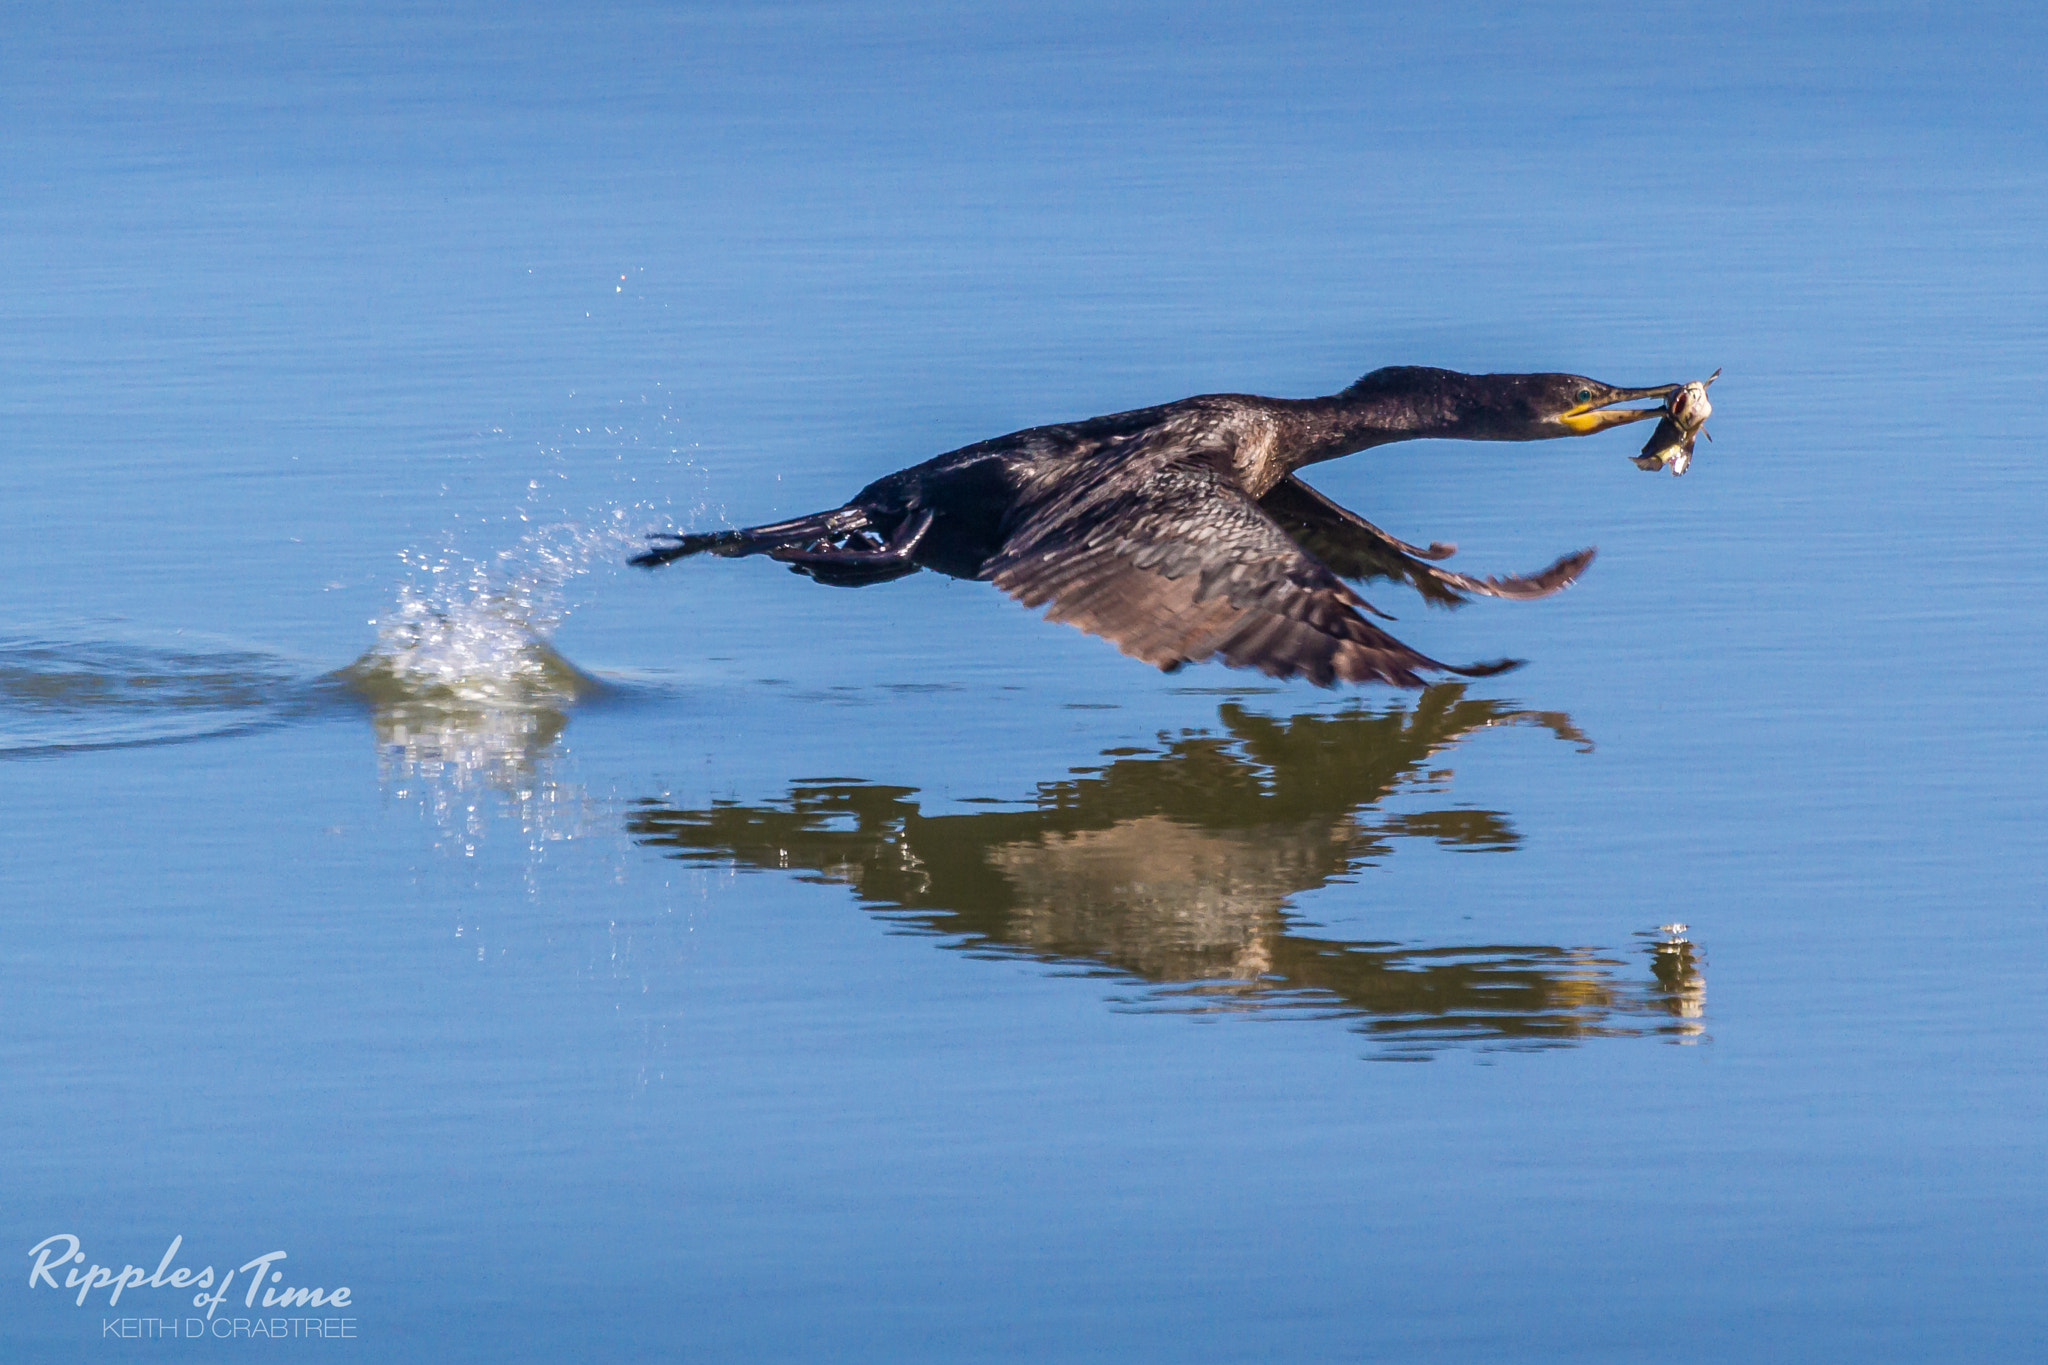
579 963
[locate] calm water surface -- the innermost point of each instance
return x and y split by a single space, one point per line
586 964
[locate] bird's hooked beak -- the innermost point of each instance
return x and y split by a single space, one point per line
1599 413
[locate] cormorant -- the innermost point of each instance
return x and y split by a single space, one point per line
1181 533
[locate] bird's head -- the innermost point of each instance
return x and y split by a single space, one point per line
1534 407
1419 401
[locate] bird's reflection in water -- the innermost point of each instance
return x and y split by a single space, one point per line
1176 866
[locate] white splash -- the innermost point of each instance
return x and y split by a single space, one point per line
475 633
468 697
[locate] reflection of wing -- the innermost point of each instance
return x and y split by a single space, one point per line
1355 548
1175 564
1180 866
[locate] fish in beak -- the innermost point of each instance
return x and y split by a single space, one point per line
1685 417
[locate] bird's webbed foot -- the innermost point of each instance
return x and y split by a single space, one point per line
857 558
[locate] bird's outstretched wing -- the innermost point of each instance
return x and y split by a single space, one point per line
1353 547
1175 564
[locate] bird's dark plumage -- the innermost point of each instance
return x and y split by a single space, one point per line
1180 532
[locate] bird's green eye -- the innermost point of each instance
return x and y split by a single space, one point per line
1585 395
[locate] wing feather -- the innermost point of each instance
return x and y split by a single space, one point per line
1354 548
1173 563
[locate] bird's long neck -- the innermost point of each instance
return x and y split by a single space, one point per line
1402 403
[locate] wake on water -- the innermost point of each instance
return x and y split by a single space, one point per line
461 682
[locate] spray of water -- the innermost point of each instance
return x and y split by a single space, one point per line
474 633
468 698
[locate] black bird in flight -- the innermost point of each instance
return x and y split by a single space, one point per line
1181 532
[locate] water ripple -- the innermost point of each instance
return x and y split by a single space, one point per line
461 682
66 695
